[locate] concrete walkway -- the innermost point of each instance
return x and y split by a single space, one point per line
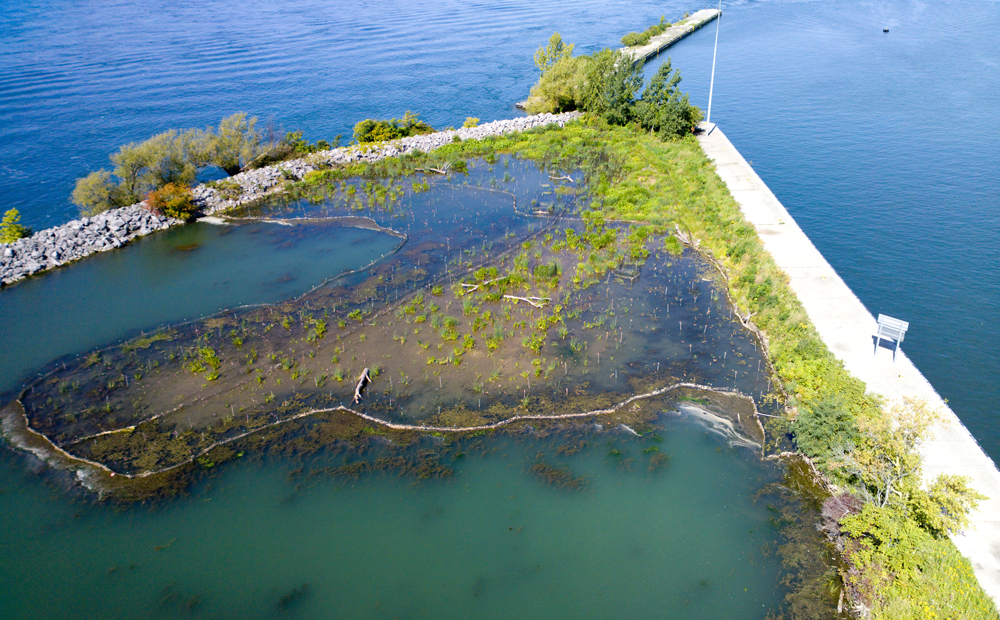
671 35
847 327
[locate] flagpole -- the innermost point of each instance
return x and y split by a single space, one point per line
715 53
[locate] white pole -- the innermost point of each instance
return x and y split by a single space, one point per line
715 53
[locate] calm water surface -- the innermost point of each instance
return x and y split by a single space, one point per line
182 274
688 541
881 145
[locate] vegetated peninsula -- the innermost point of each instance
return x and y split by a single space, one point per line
519 323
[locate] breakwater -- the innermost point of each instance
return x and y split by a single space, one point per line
848 329
673 34
112 229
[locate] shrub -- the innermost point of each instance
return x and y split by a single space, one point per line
944 507
472 121
291 146
824 427
634 39
370 130
172 200
11 229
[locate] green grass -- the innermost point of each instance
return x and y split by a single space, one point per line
671 185
632 175
945 588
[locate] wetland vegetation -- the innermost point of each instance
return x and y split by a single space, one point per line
554 287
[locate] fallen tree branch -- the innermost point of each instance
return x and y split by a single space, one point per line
474 287
538 302
363 381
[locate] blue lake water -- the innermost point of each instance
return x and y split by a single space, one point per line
182 274
881 145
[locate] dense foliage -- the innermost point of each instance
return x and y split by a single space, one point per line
608 84
172 200
891 531
370 130
11 229
556 50
170 157
633 39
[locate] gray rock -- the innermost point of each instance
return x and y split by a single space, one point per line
112 229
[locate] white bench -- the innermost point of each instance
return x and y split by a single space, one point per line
892 330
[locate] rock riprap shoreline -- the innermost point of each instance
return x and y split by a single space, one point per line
112 229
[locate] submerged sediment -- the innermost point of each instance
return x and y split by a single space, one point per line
104 481
490 318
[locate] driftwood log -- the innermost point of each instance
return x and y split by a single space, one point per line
363 382
538 302
474 287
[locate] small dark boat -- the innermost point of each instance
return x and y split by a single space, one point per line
885 29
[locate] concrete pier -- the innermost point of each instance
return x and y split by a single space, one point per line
671 35
848 328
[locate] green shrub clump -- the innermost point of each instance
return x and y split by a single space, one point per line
293 145
177 157
370 130
172 200
608 84
634 39
11 229
170 157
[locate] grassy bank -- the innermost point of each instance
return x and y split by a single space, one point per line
898 561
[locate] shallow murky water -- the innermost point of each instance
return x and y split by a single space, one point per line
491 541
500 302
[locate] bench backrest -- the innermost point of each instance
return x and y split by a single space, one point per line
891 328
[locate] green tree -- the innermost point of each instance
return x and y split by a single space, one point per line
663 108
175 157
11 229
886 461
131 163
561 87
96 192
556 50
826 426
944 507
613 81
237 143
